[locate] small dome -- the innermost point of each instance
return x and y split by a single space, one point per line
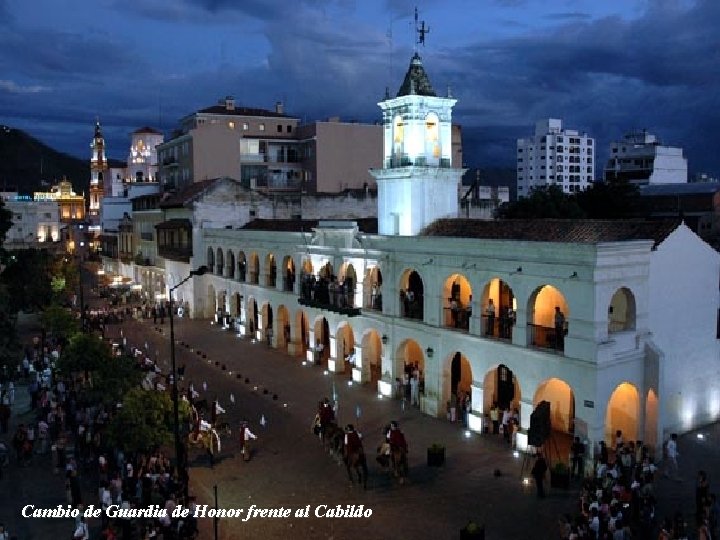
416 80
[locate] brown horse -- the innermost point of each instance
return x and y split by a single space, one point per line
356 460
399 463
332 438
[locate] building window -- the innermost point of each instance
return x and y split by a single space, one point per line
245 126
289 129
279 128
261 127
231 125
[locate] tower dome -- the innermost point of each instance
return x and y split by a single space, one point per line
416 81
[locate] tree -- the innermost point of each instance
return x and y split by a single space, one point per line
28 279
9 344
113 379
144 421
611 200
546 202
59 322
5 223
85 353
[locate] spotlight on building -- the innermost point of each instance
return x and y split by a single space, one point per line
350 383
516 454
700 437
380 396
325 372
304 363
526 481
468 434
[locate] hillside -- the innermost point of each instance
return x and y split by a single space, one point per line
26 162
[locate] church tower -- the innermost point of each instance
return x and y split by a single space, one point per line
98 169
417 185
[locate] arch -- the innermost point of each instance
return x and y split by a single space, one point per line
283 328
623 413
288 266
411 295
457 377
371 345
322 337
344 345
372 289
501 386
271 271
307 267
210 259
457 302
651 419
302 332
326 271
562 403
347 279
241 266
267 322
433 151
498 305
222 302
621 311
398 139
408 355
235 304
548 318
211 308
219 267
251 317
230 264
254 269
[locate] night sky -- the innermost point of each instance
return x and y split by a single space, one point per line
604 67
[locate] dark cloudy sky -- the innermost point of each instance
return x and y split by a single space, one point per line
603 66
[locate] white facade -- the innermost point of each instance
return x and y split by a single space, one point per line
33 221
142 162
640 159
555 156
416 186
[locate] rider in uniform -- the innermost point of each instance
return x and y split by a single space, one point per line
353 441
245 437
327 415
396 437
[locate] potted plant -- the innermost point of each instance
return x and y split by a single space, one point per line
560 476
472 531
436 455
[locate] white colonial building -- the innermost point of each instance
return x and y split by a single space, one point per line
641 159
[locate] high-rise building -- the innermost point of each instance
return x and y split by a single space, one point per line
640 158
555 156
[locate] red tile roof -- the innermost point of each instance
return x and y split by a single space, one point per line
571 231
187 194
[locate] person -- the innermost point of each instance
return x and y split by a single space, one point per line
577 451
559 328
327 415
495 418
671 455
490 312
415 391
454 310
245 437
396 437
352 442
383 451
702 491
538 472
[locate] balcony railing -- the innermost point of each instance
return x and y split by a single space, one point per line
421 161
289 283
497 327
254 278
458 318
176 253
412 309
547 337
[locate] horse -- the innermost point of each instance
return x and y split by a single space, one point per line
209 440
399 463
332 437
356 460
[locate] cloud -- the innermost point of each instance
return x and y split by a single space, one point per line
14 88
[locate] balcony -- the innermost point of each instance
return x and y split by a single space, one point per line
497 327
176 253
421 161
288 283
170 162
322 294
545 337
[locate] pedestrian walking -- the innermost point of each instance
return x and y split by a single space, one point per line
538 472
671 455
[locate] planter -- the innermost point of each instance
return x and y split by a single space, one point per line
559 480
436 456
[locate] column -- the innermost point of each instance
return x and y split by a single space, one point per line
386 382
526 409
360 372
335 364
310 354
520 330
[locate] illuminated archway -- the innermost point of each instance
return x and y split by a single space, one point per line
498 306
432 138
230 264
501 386
344 345
326 271
457 376
621 312
283 328
371 356
288 274
398 140
307 267
457 302
562 403
211 308
651 419
242 266
251 317
271 271
210 259
372 289
411 295
407 355
623 411
267 321
348 285
322 336
548 318
302 333
219 268
254 269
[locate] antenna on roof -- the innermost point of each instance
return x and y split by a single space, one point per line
389 35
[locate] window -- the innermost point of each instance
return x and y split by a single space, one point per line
231 125
245 126
520 150
520 160
279 128
589 142
261 127
560 139
289 129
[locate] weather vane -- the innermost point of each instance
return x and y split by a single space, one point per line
421 30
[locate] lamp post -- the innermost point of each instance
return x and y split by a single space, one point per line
179 453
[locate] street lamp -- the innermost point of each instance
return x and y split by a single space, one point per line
179 454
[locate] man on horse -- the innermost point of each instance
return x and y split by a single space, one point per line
327 415
353 441
245 437
215 410
398 450
354 454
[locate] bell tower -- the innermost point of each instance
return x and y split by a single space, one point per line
416 185
98 168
